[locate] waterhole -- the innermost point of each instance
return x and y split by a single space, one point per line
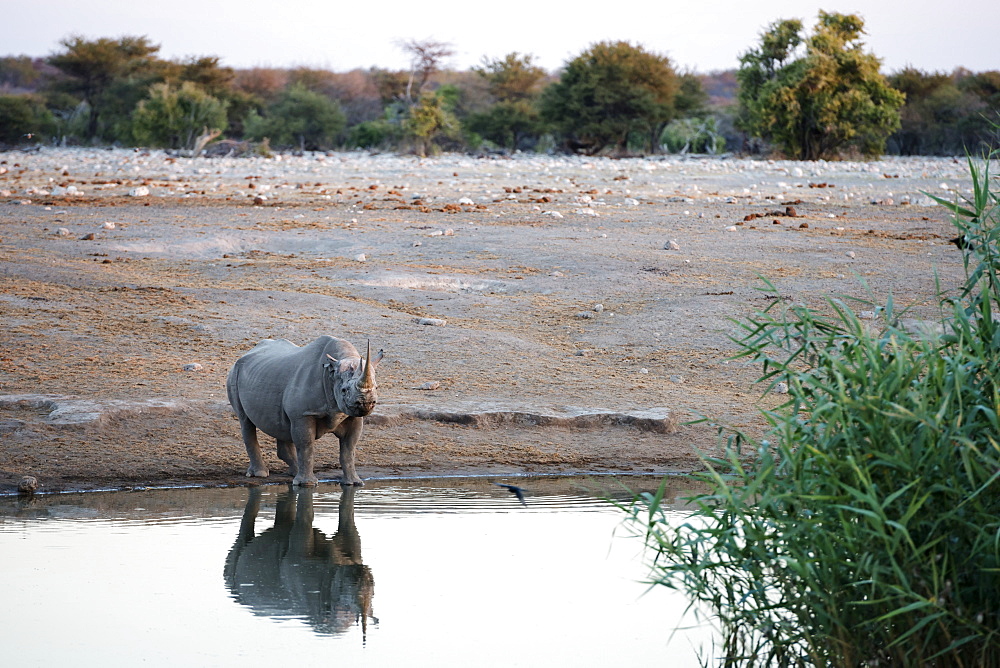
443 572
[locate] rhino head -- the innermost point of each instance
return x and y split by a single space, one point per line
354 388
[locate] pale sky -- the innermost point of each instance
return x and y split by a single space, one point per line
702 35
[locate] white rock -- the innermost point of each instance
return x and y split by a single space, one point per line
465 201
598 308
430 385
867 315
360 257
108 225
850 254
554 214
586 212
192 367
62 232
732 228
431 322
139 191
781 388
631 202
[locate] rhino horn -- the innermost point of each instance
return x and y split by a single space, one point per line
368 380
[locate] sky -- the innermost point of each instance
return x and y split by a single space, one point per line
697 35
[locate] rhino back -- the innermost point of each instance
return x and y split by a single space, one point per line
277 381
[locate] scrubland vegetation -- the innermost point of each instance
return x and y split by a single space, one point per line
864 528
796 94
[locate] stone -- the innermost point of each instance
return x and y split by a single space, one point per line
27 485
554 214
465 201
431 322
89 236
781 388
732 228
108 225
672 245
360 257
194 366
430 385
598 308
139 191
62 232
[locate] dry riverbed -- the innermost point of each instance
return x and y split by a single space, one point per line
538 314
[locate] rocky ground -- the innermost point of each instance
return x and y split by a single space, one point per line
538 314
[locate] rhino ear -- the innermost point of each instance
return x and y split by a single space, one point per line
333 364
378 358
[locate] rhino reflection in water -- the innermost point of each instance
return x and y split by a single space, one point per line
293 569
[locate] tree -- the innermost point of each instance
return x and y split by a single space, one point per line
21 118
299 116
514 84
429 120
821 100
175 117
95 69
425 59
612 91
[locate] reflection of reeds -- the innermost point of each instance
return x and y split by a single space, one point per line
865 530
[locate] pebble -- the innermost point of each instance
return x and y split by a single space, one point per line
62 232
586 212
781 388
89 236
677 379
194 366
465 201
850 254
867 315
431 322
585 315
430 385
672 245
27 485
108 225
139 191
732 228
360 257
598 308
259 200
554 214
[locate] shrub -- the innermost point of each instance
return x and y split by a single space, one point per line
866 529
23 119
174 117
693 135
299 117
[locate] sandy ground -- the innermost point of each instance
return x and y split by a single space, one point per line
574 338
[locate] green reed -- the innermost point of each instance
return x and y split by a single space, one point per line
865 528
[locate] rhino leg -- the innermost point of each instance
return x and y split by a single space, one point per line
257 468
287 454
304 437
349 434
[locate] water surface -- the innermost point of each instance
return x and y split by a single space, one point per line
453 572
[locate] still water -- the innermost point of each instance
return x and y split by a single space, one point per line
443 572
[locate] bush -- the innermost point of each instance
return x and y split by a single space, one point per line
866 529
299 117
693 135
23 119
175 117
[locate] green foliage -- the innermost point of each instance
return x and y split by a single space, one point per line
693 135
946 114
174 117
513 78
610 91
299 117
866 530
109 75
22 116
820 103
428 122
512 124
379 133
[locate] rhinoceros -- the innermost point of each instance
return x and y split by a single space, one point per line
293 568
297 394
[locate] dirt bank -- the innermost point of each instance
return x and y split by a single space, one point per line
576 337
